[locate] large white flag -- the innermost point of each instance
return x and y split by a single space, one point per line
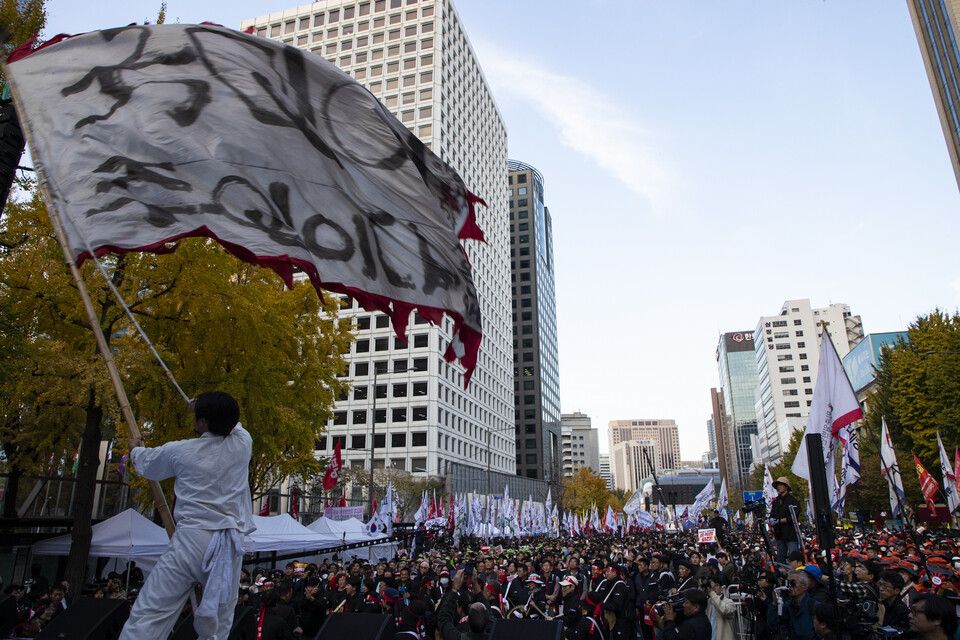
633 504
890 470
949 479
722 497
834 407
148 134
703 498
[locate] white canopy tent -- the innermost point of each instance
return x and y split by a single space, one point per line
348 531
127 535
283 534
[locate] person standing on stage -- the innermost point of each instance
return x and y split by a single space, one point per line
212 514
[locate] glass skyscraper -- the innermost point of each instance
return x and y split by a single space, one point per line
736 363
936 23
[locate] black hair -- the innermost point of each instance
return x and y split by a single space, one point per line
893 578
478 617
270 598
695 597
824 613
939 608
219 409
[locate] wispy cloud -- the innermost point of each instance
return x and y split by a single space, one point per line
589 120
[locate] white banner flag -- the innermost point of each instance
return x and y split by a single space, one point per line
834 406
148 134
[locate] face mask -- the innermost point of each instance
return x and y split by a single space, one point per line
325 576
444 580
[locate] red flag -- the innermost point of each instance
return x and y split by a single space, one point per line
432 512
332 475
374 510
450 510
294 506
343 500
928 485
265 508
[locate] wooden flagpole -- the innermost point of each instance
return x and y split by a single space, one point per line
155 490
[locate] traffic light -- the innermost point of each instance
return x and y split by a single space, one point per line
11 148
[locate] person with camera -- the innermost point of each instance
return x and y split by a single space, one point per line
792 612
720 612
695 624
615 594
781 519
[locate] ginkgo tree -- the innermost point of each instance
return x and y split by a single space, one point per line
217 322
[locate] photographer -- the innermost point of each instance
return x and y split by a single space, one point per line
720 612
695 624
792 613
825 623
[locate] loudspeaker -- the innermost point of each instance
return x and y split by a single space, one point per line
8 615
244 626
527 630
89 619
369 626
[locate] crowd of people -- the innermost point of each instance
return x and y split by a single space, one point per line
654 585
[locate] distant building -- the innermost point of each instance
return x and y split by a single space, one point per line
581 443
680 489
936 23
632 461
726 463
862 361
736 366
605 470
664 432
787 355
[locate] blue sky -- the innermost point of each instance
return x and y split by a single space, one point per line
703 162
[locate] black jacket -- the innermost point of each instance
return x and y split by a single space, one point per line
779 510
446 620
693 628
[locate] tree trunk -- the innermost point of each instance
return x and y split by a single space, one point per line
76 572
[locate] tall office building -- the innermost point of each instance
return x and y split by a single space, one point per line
787 355
632 461
581 443
414 56
664 432
605 470
737 368
726 463
536 368
936 23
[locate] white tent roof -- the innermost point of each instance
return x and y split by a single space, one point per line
125 535
352 527
283 533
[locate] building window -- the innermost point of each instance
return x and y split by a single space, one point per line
358 442
399 414
339 417
360 393
359 417
419 414
398 440
421 340
381 344
400 390
531 458
419 438
361 368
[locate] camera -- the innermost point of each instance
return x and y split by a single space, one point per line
754 506
675 601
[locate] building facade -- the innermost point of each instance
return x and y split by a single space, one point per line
581 443
726 463
407 402
632 461
664 432
605 470
787 355
736 366
936 23
536 366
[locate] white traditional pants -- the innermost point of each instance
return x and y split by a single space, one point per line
168 586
